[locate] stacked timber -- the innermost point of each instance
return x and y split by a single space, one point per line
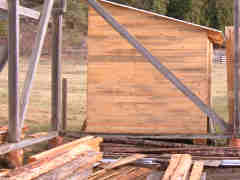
120 147
182 168
73 160
122 170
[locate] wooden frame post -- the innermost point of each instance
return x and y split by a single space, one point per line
64 104
14 127
57 70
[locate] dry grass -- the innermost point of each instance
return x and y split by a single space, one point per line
219 90
38 115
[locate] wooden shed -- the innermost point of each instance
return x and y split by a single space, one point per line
125 92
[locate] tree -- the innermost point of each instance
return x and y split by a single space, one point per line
180 9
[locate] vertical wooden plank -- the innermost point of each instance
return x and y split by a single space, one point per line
64 104
197 170
13 71
230 72
34 59
56 70
211 123
174 162
182 172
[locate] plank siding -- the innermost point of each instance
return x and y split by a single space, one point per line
125 92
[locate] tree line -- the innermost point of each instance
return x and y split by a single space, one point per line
212 13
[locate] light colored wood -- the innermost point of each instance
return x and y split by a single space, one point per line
35 169
15 158
78 165
119 163
83 174
90 141
4 172
126 94
230 71
173 164
22 10
179 167
197 170
182 171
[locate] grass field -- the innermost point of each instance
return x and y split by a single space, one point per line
38 115
219 90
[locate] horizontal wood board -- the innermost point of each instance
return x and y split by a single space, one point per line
126 94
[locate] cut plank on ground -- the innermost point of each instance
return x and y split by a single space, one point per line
119 163
59 157
182 172
94 143
197 170
180 168
76 167
174 162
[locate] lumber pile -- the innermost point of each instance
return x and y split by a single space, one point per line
121 170
73 160
181 168
123 146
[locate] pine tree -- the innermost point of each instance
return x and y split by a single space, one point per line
180 9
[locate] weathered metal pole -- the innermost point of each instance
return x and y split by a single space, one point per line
56 118
57 67
236 68
159 66
64 104
14 129
15 158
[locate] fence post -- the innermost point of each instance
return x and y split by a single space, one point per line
64 104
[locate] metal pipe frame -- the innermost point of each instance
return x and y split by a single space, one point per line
56 70
8 147
16 113
236 69
14 127
151 136
34 59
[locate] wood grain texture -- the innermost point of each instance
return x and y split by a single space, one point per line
230 70
197 170
126 94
